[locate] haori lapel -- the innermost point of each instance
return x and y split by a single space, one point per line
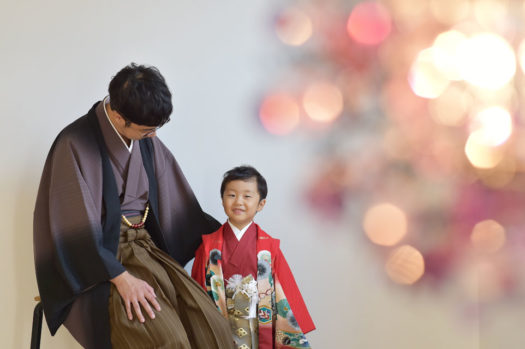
214 275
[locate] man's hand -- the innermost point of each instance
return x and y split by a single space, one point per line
136 292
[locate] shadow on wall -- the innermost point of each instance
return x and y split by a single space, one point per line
23 257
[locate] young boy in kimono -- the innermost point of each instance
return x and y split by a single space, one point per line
243 269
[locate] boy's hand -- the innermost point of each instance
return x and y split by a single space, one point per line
136 292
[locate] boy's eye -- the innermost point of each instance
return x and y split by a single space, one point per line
231 195
247 196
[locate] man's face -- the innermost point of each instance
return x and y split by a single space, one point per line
241 201
131 130
136 132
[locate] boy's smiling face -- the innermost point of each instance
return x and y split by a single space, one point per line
241 201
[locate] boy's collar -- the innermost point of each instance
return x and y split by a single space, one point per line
239 232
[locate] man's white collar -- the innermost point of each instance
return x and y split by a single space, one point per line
130 147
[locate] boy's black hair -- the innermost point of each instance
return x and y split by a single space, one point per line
245 173
140 95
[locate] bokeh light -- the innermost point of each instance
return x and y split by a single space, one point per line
480 154
405 265
494 125
323 102
445 53
369 23
488 236
486 60
425 78
294 27
431 118
385 224
279 114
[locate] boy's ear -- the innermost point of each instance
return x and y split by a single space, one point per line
261 205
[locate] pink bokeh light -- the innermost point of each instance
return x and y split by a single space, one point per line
369 23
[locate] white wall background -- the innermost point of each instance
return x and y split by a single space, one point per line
218 57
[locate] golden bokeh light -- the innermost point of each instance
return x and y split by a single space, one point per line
279 114
425 79
323 102
488 236
405 265
480 154
451 108
494 124
294 27
445 53
487 60
385 224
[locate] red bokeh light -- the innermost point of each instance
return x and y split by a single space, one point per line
369 23
279 114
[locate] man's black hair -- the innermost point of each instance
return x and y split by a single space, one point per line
245 173
140 95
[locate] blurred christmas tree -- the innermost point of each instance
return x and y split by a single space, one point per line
417 106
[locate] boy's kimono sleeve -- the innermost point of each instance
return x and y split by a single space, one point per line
292 293
198 271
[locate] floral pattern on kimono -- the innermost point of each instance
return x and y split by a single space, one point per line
281 325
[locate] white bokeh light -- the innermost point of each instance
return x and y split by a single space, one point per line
494 125
487 60
425 79
445 53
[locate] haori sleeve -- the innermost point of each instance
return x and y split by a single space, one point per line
67 214
285 277
67 235
198 271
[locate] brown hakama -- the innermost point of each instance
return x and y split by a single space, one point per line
188 318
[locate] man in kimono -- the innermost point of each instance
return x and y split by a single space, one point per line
246 274
114 217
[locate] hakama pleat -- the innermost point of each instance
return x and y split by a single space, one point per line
188 317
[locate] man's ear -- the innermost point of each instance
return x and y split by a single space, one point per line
115 114
120 118
261 205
